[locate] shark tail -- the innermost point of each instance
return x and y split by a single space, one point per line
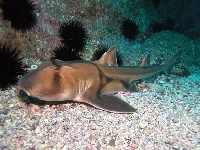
171 62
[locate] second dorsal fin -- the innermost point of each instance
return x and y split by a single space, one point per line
145 62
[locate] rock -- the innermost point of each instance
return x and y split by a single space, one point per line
43 146
37 130
174 120
4 111
143 125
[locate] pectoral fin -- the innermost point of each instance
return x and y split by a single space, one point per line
111 104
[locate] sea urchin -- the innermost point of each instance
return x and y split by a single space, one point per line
11 66
20 13
129 29
65 54
73 35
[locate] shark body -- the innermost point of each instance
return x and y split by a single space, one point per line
88 81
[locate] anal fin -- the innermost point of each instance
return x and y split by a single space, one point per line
132 87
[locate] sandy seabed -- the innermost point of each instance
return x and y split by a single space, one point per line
168 117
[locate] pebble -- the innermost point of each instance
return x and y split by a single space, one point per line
89 116
4 111
161 81
3 147
182 148
175 146
11 105
59 144
174 120
143 125
37 130
42 146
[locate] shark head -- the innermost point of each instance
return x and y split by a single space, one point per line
46 82
37 84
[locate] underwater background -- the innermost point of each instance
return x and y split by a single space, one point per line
168 106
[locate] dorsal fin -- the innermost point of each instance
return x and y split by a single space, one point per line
146 61
109 58
169 64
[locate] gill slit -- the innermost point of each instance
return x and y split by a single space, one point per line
81 87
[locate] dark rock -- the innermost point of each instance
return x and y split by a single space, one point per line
4 111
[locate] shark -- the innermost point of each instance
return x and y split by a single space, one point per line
90 82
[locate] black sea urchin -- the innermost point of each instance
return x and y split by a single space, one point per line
129 29
73 35
20 13
10 67
66 54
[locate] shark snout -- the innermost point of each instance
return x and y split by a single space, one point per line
26 84
24 88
